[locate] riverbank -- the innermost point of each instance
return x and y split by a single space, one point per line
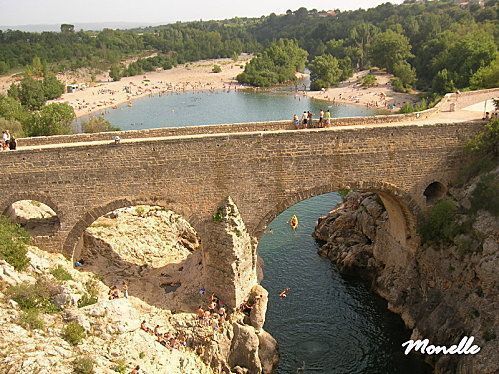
441 291
382 96
191 77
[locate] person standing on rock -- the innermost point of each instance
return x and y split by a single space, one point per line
125 289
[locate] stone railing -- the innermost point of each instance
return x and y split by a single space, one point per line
215 129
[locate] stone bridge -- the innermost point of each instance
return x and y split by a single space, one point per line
264 168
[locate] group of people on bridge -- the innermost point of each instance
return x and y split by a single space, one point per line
307 119
8 141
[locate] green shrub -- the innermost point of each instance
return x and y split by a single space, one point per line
13 244
92 294
61 274
121 366
397 85
485 196
140 211
484 151
487 140
73 333
216 69
369 80
98 124
440 226
30 319
343 193
407 108
35 296
465 244
84 365
142 355
86 300
218 216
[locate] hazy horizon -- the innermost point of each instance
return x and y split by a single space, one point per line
54 12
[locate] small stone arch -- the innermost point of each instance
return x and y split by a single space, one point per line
401 207
434 191
41 230
5 204
90 216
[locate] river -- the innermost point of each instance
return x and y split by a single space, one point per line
329 323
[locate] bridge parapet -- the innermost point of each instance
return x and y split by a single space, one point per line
216 129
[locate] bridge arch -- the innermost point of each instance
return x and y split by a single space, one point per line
42 228
402 209
91 215
42 198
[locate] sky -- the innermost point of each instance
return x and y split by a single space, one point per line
23 12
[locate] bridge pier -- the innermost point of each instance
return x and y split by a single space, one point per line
229 256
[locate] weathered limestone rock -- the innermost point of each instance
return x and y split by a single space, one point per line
149 235
440 291
229 256
268 352
260 297
244 349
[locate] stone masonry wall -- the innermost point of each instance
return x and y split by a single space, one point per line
263 172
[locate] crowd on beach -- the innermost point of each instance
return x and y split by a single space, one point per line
111 97
8 142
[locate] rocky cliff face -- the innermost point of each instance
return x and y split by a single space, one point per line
442 292
112 327
157 253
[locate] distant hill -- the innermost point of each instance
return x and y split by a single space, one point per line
79 26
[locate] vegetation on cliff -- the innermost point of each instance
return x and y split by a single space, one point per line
13 244
449 222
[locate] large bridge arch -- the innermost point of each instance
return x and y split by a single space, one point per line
402 209
92 214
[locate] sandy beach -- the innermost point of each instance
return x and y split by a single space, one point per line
192 77
198 76
381 96
105 94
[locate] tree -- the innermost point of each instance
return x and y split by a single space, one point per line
98 124
4 67
470 53
11 109
115 72
52 87
390 48
37 67
276 64
405 72
443 83
324 72
31 93
486 77
216 69
362 36
52 119
14 127
67 28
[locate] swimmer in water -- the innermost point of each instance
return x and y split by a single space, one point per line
284 293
